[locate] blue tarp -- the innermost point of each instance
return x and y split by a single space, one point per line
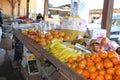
116 16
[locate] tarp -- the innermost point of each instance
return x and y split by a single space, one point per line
116 16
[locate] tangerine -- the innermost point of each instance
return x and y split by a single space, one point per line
86 74
108 76
99 77
115 60
99 65
111 70
91 69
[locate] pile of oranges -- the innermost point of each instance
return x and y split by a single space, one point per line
44 39
97 66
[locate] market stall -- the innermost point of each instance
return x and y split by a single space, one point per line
68 57
39 52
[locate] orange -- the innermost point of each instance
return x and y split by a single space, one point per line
70 60
81 65
99 65
86 74
102 72
117 78
84 62
111 54
87 55
108 64
99 77
97 59
108 76
103 54
111 70
117 72
93 56
93 75
90 63
91 69
79 58
115 60
117 66
78 70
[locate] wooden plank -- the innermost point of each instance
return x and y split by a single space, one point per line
39 51
107 15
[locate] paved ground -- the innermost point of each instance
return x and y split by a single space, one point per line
8 71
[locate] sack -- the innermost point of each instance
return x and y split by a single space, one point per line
73 26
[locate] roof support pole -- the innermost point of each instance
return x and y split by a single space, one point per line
107 16
45 15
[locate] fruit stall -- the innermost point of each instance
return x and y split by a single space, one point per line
71 59
61 69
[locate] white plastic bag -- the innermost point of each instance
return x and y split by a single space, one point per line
73 26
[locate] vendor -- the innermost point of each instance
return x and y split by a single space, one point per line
1 18
39 17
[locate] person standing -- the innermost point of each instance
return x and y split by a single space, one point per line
1 18
39 17
1 23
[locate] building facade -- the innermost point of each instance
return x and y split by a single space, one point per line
7 8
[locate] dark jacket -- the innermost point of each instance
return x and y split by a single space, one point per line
1 19
39 17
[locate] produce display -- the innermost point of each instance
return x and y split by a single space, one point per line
61 51
97 66
44 39
100 62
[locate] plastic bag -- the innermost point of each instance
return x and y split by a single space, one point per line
73 26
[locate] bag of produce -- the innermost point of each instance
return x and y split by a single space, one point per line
73 26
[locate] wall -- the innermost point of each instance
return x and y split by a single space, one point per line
4 4
6 7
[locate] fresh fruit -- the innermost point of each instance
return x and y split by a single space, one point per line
102 72
93 75
91 69
111 54
99 77
81 65
107 64
111 71
70 60
79 58
117 72
99 66
115 60
85 73
108 77
103 54
97 59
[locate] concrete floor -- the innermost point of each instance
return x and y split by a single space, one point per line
7 67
